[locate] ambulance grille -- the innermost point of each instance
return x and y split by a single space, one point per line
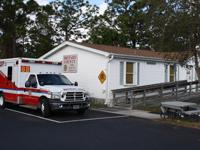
74 96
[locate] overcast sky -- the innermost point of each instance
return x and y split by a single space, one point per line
97 2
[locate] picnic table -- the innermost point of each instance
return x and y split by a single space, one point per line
177 109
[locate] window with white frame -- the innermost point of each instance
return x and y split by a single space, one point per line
127 73
172 73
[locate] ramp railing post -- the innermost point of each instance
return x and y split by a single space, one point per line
190 90
144 97
197 86
114 98
176 90
126 101
131 100
161 91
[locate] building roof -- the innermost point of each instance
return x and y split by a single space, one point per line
128 52
124 51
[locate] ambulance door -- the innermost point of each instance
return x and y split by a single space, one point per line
11 95
30 96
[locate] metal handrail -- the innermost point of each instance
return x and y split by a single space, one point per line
159 90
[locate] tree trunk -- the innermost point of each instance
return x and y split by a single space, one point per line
67 36
8 49
14 45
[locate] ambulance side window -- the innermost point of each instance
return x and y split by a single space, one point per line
9 75
32 80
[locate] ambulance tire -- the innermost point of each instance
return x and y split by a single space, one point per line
2 101
45 107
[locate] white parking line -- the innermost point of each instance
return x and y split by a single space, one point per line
35 116
93 119
69 121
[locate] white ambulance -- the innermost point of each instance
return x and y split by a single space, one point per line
39 84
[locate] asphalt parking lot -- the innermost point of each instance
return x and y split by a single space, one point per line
25 129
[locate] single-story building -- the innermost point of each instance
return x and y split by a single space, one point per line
100 68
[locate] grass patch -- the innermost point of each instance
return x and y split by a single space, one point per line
95 104
152 109
174 121
183 123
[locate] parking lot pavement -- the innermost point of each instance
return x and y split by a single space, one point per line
63 116
24 132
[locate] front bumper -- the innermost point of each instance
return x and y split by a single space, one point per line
76 105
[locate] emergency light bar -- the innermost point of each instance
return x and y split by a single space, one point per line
41 62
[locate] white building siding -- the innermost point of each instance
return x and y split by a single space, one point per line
151 73
114 82
143 74
148 73
89 67
91 62
188 72
182 73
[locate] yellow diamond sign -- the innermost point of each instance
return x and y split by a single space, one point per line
102 77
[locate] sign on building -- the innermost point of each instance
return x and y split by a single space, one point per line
70 64
102 77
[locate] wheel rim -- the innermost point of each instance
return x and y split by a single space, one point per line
1 101
42 108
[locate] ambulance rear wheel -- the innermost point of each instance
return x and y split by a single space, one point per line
2 102
45 108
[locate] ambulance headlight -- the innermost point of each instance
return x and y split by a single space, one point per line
55 95
86 95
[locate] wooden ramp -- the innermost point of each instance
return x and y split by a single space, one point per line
154 94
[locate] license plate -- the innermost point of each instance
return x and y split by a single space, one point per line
76 106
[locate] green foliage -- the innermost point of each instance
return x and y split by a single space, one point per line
12 25
170 25
73 17
126 19
102 34
41 34
162 25
28 29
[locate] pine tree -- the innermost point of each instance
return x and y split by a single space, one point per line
13 16
73 18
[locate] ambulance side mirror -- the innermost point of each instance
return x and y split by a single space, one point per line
41 83
75 83
34 85
27 84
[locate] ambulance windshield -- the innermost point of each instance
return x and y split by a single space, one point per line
53 79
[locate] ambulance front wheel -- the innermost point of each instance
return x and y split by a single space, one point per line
2 101
45 108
